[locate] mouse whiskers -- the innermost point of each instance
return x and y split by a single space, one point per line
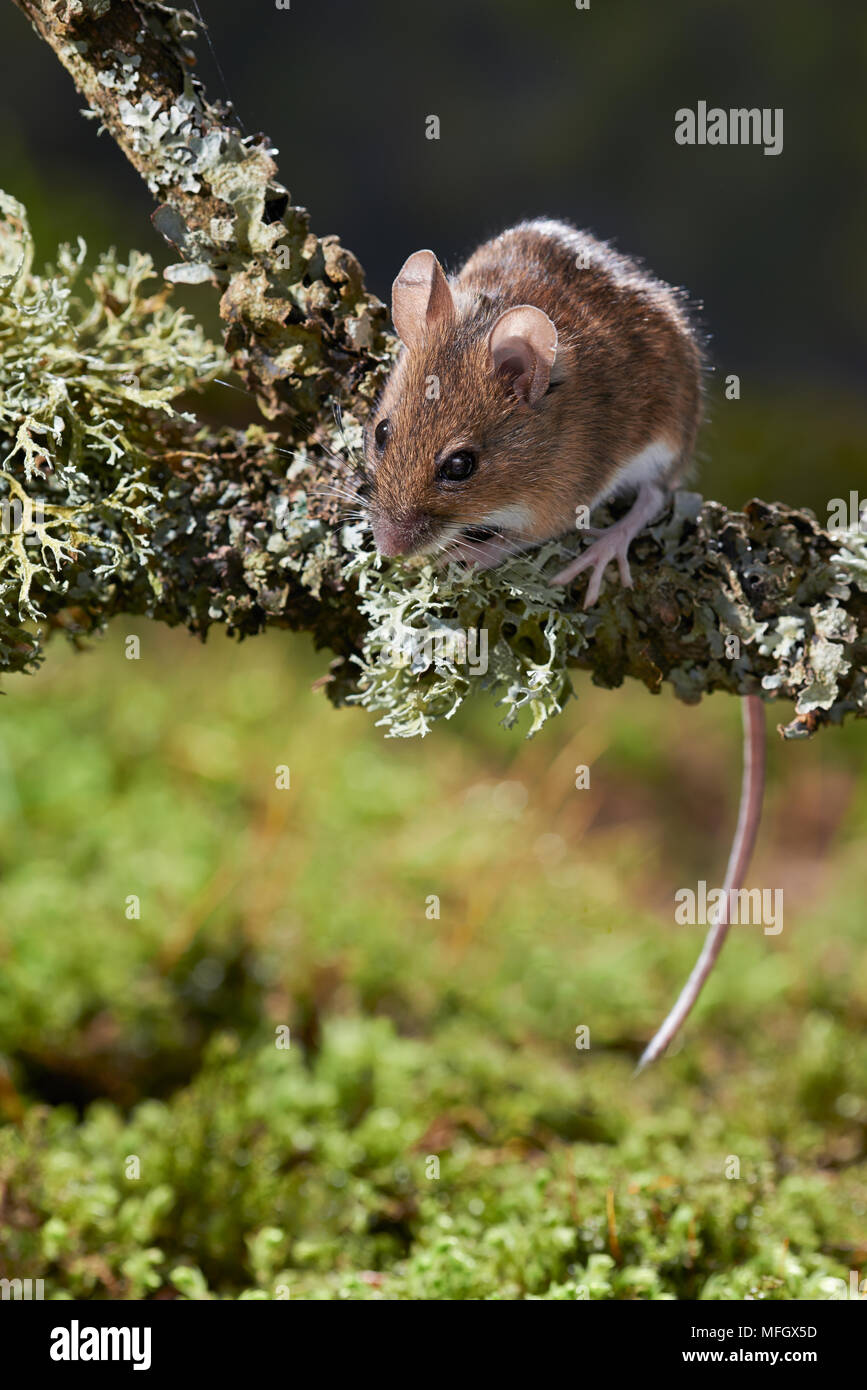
350 458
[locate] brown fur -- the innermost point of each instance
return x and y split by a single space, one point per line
627 374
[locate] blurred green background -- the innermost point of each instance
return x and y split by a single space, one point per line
261 1170
413 1037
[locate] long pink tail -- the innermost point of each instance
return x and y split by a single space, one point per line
752 789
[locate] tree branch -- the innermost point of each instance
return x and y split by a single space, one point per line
299 323
761 601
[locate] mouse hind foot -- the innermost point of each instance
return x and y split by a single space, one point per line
613 543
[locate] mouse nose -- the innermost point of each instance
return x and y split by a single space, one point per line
403 534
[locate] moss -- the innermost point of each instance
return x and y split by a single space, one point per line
412 1037
381 1167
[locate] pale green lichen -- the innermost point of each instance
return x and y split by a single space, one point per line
852 554
120 73
529 639
813 648
183 153
534 633
69 11
87 363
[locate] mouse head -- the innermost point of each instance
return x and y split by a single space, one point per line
455 445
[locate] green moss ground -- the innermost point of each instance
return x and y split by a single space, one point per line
309 1171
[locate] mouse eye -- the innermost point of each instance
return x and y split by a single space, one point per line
380 434
458 467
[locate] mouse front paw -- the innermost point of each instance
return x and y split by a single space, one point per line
597 557
613 544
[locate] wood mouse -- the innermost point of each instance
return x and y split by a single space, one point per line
550 374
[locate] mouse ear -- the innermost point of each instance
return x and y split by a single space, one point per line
420 298
522 346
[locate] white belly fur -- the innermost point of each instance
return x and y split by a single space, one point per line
651 464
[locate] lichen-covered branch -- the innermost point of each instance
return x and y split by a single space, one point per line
761 601
126 504
300 325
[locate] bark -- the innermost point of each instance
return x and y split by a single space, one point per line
763 600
